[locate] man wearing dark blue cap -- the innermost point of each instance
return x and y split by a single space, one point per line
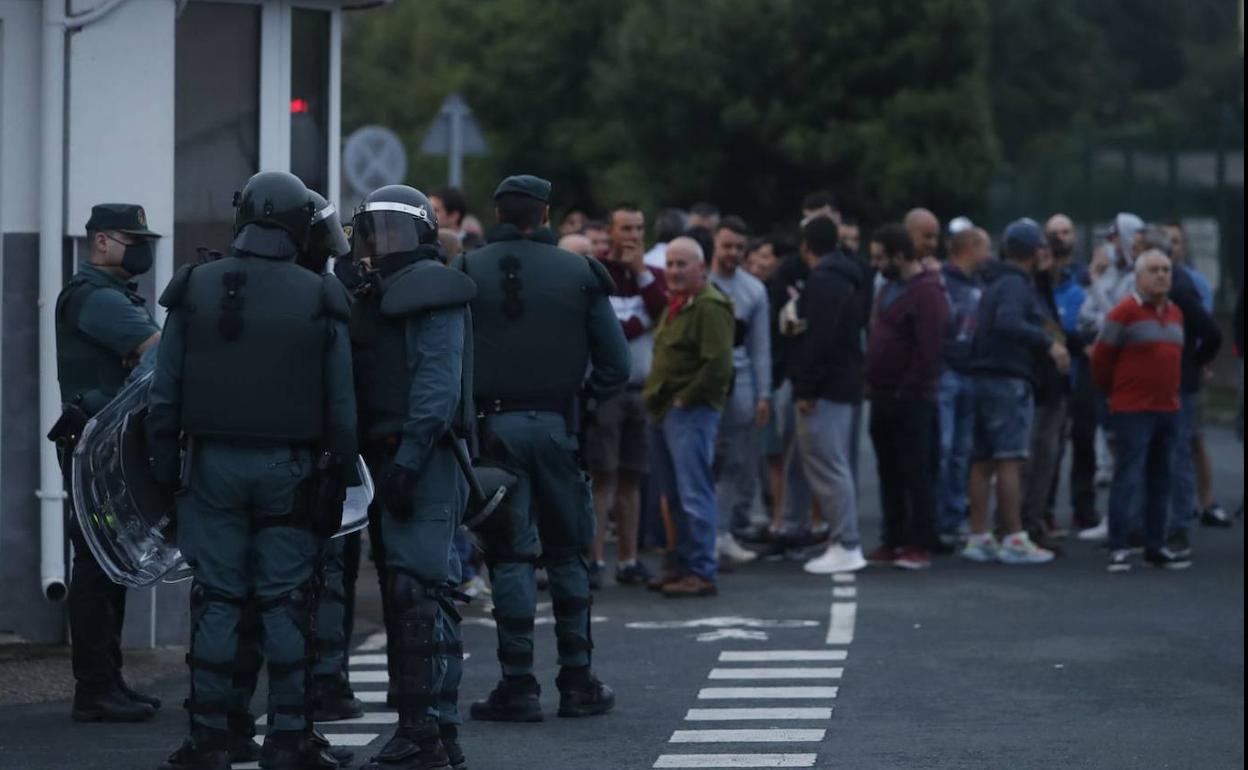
102 328
1010 334
542 317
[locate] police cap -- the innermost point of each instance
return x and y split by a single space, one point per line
120 217
525 184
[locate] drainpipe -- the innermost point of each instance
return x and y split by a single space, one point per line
51 492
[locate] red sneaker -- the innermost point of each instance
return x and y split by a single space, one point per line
913 558
885 554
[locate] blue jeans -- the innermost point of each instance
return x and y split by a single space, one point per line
684 448
956 401
1183 484
1143 445
736 455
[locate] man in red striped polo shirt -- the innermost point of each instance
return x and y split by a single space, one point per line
1136 362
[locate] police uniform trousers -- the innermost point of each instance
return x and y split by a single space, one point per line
422 569
234 528
97 609
548 514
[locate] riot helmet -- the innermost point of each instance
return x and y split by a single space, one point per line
395 219
327 239
273 215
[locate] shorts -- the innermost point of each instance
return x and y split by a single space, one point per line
616 439
1003 412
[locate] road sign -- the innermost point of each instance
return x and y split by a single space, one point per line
454 133
373 157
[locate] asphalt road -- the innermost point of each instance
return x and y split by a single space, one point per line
964 666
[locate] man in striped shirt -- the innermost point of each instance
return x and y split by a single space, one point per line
1136 363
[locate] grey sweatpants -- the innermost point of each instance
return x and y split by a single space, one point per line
824 439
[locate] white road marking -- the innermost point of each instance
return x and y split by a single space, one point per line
844 592
735 760
775 656
741 715
378 676
723 621
360 661
844 577
732 633
841 624
375 641
727 693
770 735
371 696
351 739
776 673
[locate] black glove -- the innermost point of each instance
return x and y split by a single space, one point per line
397 485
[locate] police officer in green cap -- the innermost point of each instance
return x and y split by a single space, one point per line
410 327
252 416
103 327
540 319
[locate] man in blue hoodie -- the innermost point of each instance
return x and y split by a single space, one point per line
968 250
1010 334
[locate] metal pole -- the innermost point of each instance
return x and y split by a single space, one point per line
455 157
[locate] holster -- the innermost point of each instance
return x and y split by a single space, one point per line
326 491
66 431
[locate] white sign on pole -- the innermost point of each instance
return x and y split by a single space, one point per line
372 157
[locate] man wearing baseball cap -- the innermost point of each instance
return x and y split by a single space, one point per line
1010 334
103 327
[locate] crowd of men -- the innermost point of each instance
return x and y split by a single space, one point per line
704 396
984 361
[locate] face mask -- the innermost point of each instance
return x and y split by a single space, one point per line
348 271
138 257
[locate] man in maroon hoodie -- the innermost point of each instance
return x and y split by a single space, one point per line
902 369
616 439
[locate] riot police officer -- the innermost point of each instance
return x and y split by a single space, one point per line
409 335
102 329
540 318
252 415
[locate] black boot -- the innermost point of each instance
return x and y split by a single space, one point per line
450 742
333 699
415 746
294 750
138 697
204 750
515 699
242 745
109 705
341 755
581 694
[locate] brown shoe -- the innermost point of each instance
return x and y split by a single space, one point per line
690 585
662 580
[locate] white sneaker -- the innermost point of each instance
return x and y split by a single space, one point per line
1099 532
732 552
836 559
475 587
1018 549
981 549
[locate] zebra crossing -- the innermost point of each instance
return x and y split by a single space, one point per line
795 690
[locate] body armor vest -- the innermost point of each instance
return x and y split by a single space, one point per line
379 353
257 334
89 373
530 320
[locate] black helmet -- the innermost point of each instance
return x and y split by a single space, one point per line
327 239
272 214
394 219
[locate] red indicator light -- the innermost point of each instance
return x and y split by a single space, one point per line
298 106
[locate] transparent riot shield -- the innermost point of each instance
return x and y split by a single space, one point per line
126 518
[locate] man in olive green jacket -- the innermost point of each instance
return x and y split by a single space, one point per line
685 394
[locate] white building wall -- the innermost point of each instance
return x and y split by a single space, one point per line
19 138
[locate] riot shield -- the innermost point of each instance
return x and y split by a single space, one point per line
126 517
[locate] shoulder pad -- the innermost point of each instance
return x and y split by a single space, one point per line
427 285
172 296
334 298
605 282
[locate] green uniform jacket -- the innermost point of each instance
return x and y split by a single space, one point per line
692 355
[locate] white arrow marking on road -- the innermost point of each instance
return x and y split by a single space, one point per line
735 760
742 715
776 673
730 621
841 624
732 633
770 735
728 693
777 656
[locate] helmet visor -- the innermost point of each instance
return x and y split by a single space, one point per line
383 228
328 238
